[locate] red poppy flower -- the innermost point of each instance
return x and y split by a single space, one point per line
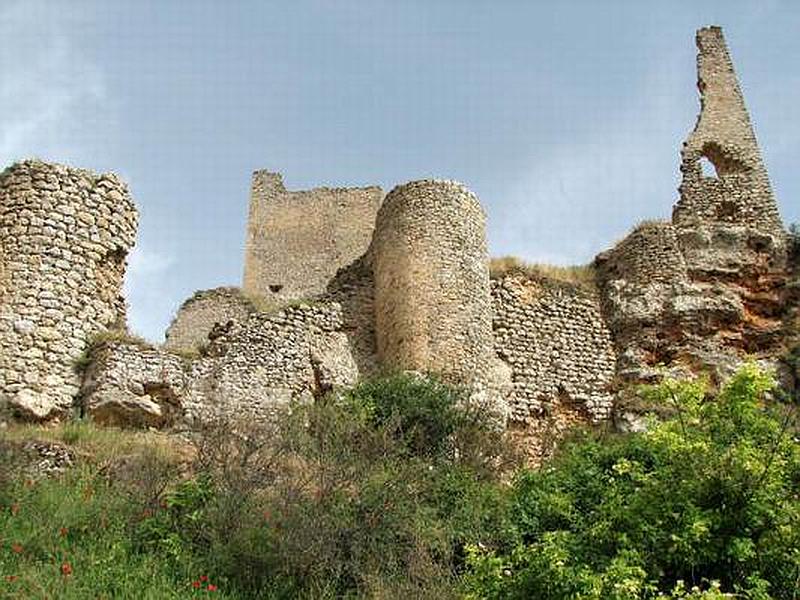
16 548
66 569
11 578
63 532
203 578
211 587
196 585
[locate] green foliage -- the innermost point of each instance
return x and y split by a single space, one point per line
396 489
706 499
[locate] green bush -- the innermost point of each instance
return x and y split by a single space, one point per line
707 499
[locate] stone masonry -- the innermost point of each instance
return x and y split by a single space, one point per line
708 289
432 304
65 235
297 241
341 283
553 337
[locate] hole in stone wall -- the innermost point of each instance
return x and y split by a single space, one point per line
726 210
708 168
117 256
275 288
717 162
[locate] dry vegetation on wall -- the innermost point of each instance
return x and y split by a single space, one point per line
578 275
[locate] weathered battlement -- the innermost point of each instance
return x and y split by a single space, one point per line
297 240
65 235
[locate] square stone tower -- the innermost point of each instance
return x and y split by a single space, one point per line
298 240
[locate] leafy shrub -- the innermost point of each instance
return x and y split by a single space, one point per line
709 496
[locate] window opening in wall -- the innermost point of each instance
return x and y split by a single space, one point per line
726 210
708 168
275 288
117 256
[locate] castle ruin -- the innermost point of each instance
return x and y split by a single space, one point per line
340 283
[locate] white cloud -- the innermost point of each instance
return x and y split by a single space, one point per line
147 290
46 84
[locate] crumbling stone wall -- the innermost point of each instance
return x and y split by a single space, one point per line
432 303
298 240
66 234
353 289
649 254
131 384
708 289
198 316
250 370
740 193
560 351
728 224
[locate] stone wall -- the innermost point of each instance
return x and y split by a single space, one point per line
740 193
298 240
65 234
650 253
555 340
728 222
432 304
198 316
250 370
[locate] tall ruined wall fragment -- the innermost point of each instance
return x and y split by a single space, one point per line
705 291
65 235
728 221
432 302
298 240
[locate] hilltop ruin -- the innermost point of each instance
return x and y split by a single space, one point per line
341 283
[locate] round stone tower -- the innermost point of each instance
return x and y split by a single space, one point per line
64 239
432 300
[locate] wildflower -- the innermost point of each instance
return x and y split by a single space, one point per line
196 584
14 508
16 548
204 578
63 532
211 587
11 578
66 569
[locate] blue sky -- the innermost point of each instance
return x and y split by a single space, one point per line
566 118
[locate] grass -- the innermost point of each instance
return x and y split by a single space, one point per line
577 275
70 536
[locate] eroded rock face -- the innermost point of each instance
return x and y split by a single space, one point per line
709 289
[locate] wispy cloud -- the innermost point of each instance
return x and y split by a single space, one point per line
148 292
46 83
579 195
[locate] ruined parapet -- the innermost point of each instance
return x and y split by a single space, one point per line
432 302
65 235
560 351
650 253
198 316
727 221
298 240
